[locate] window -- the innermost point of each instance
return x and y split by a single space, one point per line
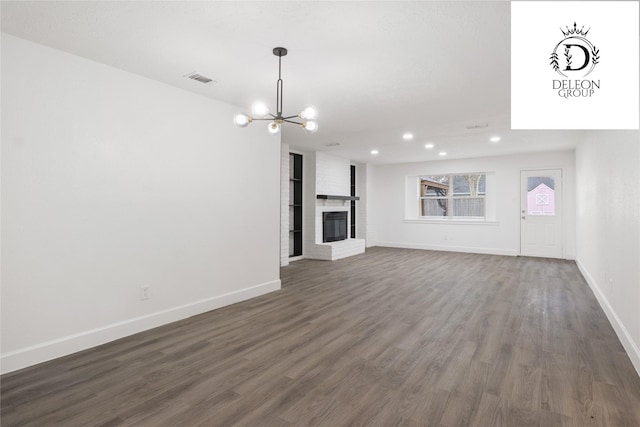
453 196
541 195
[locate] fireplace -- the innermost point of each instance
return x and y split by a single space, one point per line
334 226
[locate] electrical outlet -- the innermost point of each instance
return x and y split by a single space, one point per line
144 293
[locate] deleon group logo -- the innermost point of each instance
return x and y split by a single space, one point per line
575 57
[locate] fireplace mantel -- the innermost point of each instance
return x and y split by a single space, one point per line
330 197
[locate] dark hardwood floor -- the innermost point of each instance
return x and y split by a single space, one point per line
390 337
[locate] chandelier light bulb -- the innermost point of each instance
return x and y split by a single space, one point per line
309 112
241 120
259 109
310 126
273 128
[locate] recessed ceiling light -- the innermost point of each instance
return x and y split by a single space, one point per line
407 136
374 152
429 146
442 153
495 139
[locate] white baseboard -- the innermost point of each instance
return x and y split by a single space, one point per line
623 334
53 349
487 251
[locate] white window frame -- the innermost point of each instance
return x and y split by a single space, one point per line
450 199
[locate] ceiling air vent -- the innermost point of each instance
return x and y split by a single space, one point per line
199 78
477 126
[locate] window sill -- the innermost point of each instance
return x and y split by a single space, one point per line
449 221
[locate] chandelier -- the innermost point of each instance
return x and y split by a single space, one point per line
259 110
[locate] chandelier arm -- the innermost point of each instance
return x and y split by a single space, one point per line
289 117
291 121
253 119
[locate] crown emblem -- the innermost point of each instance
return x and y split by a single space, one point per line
574 31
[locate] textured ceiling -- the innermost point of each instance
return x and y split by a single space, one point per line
374 69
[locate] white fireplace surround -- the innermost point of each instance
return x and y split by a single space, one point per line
323 174
332 251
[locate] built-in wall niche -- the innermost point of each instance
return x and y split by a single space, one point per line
295 205
353 202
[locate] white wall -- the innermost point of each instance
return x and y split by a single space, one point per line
285 198
333 175
387 214
608 228
308 201
361 205
110 182
369 203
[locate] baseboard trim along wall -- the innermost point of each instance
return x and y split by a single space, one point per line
64 346
485 251
623 334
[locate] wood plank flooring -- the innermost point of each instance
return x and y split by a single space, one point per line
391 337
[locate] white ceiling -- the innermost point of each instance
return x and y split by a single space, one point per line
374 69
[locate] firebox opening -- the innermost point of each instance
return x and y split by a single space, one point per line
334 226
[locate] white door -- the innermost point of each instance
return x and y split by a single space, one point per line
541 213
